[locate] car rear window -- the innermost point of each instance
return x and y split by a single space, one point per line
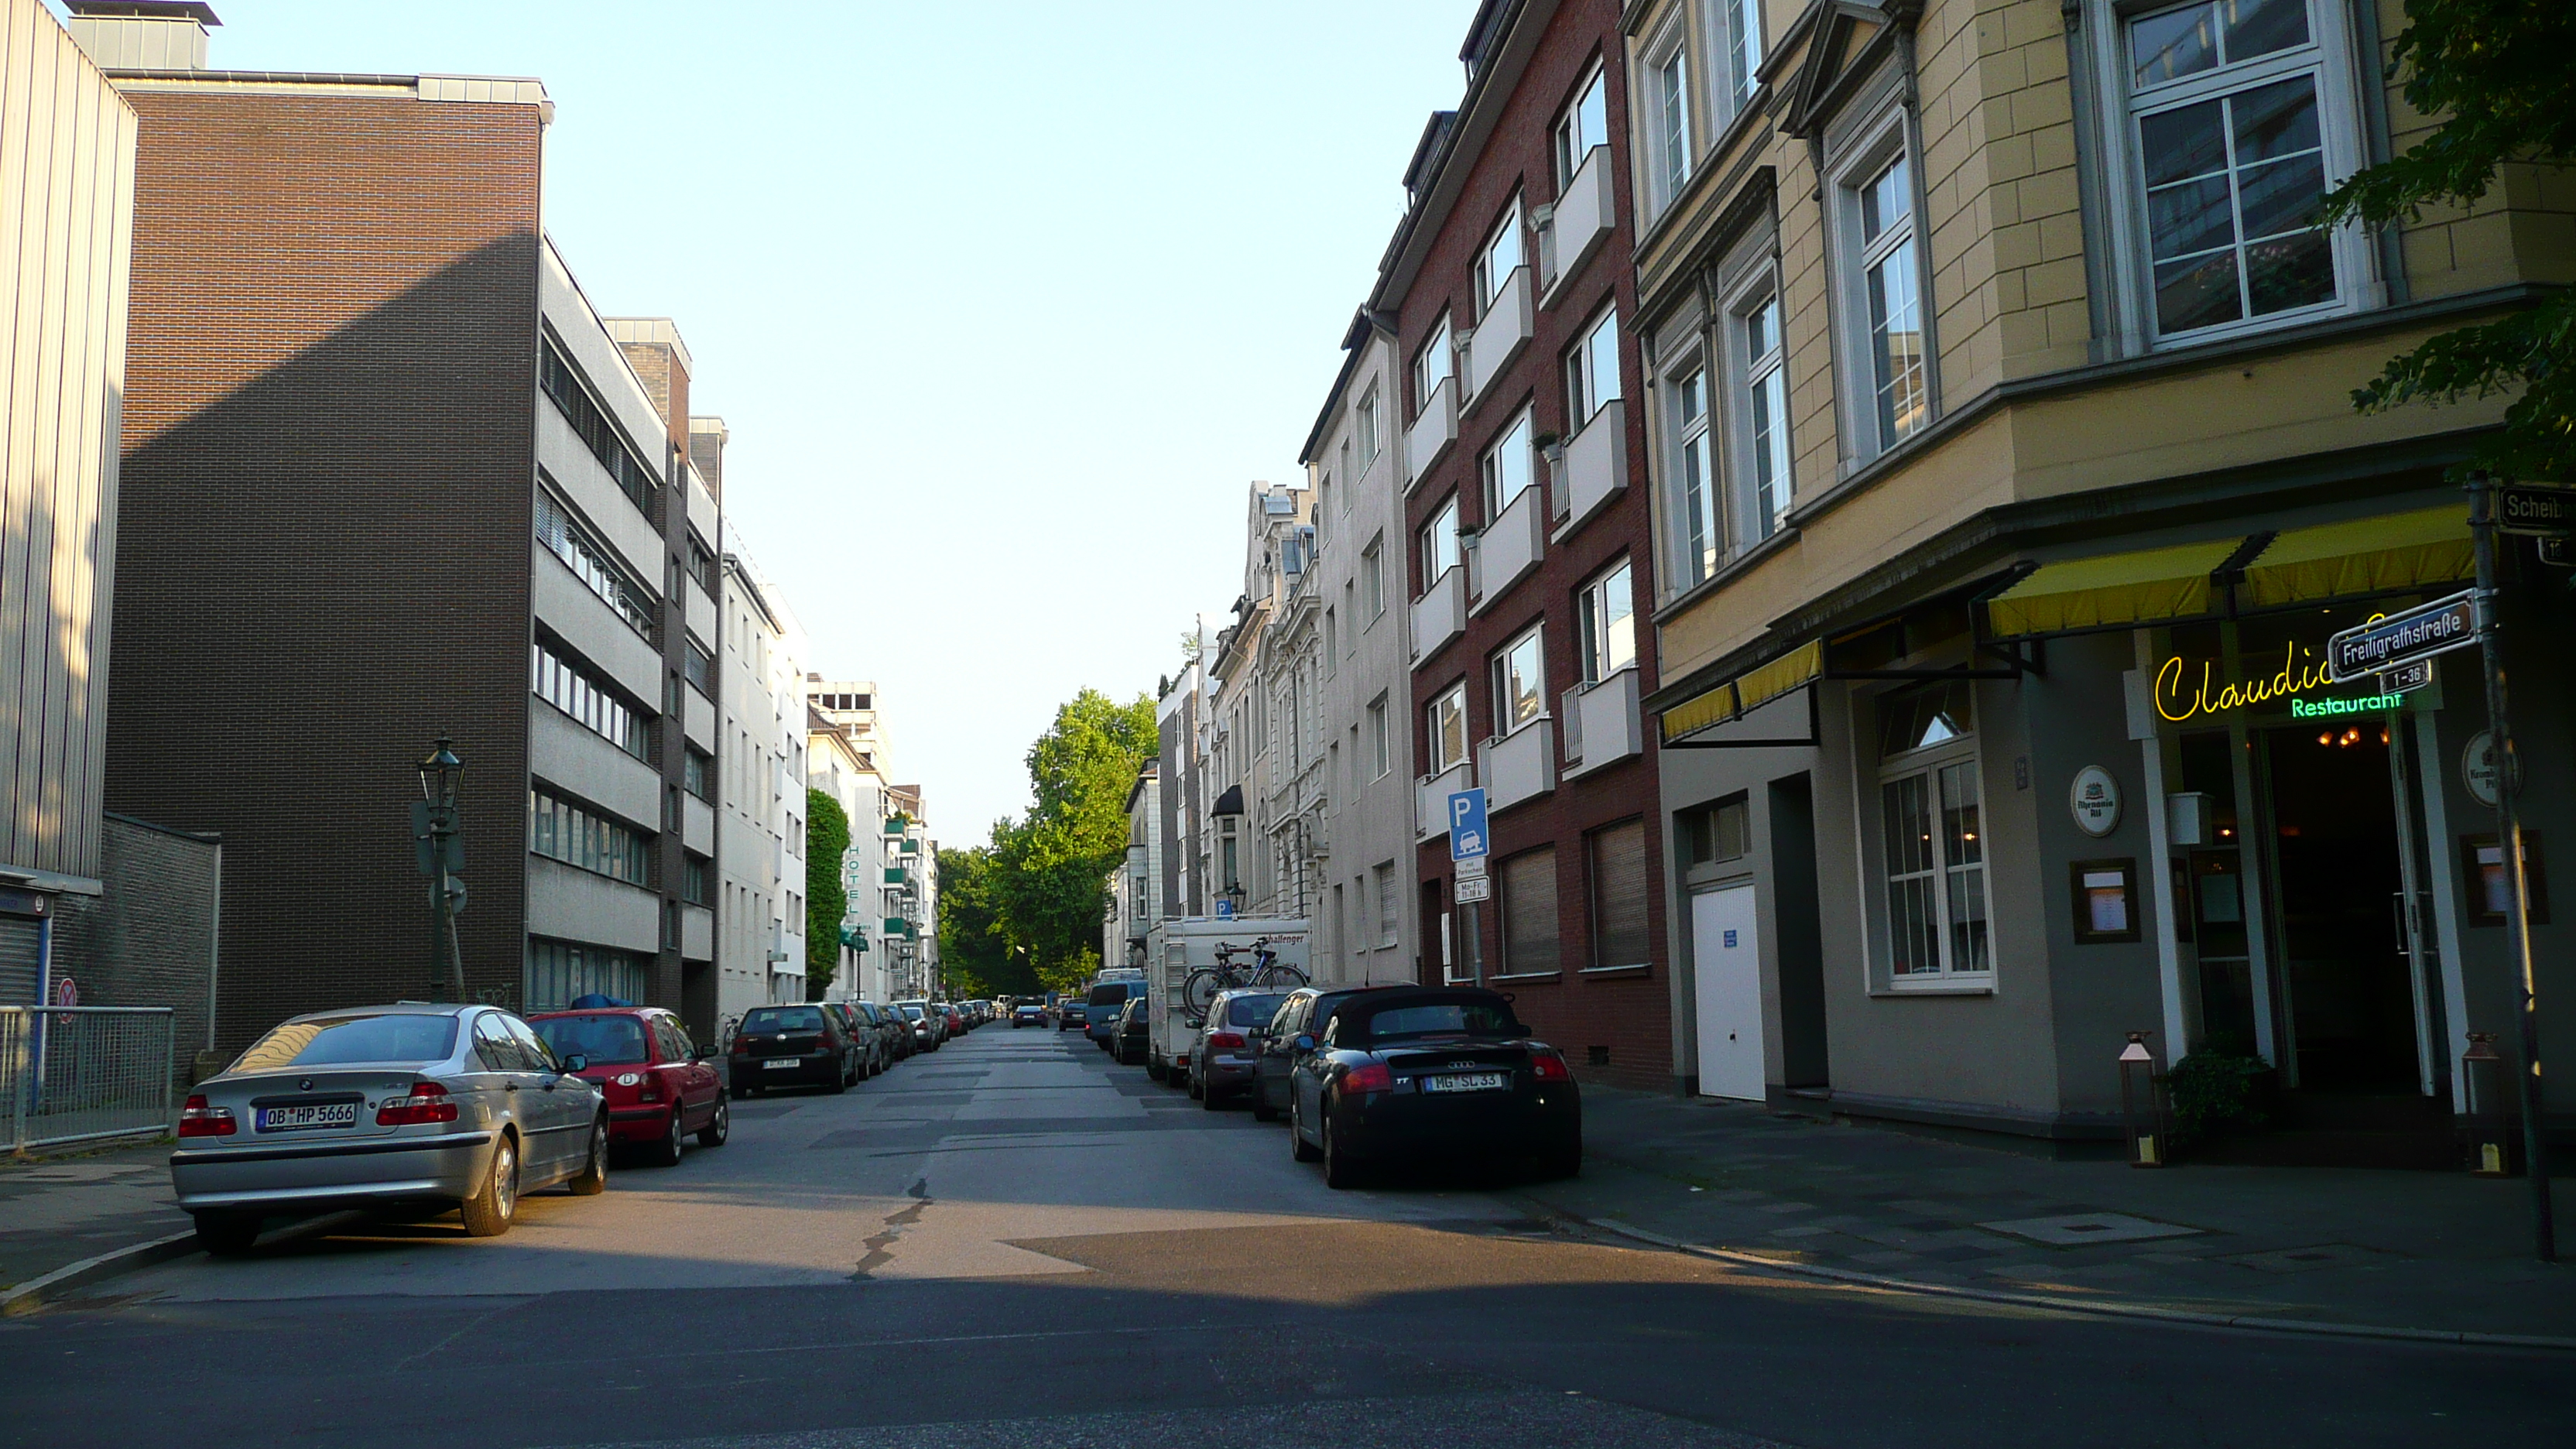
912 1013
325 1041
1113 994
1434 1018
606 1040
1250 1010
784 1018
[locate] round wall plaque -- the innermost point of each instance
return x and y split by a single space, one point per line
2478 768
2095 801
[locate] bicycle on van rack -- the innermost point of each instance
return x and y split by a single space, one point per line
1266 972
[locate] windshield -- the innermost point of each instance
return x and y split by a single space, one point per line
1251 1010
1114 994
1439 1018
326 1041
783 1018
606 1040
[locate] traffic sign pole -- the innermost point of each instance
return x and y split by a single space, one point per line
2535 1145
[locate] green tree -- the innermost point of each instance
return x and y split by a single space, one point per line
2501 75
827 837
975 949
1049 871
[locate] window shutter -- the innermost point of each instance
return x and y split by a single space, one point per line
1619 933
1529 913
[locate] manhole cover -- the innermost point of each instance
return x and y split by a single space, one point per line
2077 1229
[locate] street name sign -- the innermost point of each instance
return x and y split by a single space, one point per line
2385 644
2540 511
1467 825
2406 678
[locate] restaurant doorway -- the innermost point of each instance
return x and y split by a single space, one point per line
2346 989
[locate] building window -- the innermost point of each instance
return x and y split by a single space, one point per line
1528 903
1228 873
1508 467
577 835
1667 121
2240 124
1742 22
1714 834
1619 933
1332 640
1380 755
560 382
1694 500
697 774
1447 722
562 972
1759 443
1432 365
702 565
1440 543
1884 267
1390 917
1609 625
1520 683
1501 257
589 559
1365 425
694 881
1372 580
1931 854
1585 124
1592 371
571 688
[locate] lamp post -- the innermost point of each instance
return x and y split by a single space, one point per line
435 819
2142 1103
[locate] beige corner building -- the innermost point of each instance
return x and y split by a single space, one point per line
2008 488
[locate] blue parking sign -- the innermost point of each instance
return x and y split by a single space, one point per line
1467 825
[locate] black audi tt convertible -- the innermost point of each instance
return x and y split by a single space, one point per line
1433 1072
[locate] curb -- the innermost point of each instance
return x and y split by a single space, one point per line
35 1293
2078 1305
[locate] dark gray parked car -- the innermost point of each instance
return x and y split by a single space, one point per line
1227 1052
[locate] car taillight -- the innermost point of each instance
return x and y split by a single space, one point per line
427 1103
199 1120
1549 1067
1375 1077
1226 1041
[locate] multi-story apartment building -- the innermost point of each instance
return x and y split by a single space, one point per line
1250 869
1136 899
847 759
1180 724
1365 905
2008 488
1526 548
910 898
360 386
760 837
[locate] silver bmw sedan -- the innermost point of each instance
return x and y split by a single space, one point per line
461 1106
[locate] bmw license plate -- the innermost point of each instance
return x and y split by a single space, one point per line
778 1063
1467 1082
304 1119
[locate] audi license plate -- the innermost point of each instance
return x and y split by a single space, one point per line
304 1119
775 1063
1467 1082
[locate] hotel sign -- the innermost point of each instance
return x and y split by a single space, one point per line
2387 644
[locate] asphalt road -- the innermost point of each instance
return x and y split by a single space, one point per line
1014 1242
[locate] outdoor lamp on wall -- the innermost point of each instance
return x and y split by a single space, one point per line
2487 1118
2142 1103
1234 894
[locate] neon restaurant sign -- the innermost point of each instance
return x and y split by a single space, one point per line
2188 689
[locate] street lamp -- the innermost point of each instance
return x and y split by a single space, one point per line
1234 895
434 824
2142 1103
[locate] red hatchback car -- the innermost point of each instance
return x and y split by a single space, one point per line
660 1087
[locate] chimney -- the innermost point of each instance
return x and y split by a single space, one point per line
706 452
661 361
142 34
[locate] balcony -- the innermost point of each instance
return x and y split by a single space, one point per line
1519 765
1593 467
1440 614
1603 724
697 933
1431 799
569 756
1509 548
1580 223
697 824
1499 336
698 718
1433 432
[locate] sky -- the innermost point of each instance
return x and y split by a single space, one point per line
1005 304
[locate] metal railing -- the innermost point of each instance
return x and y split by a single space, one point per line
76 1073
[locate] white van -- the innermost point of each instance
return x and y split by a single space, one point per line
1174 949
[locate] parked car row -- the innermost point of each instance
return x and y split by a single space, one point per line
416 1107
1368 1076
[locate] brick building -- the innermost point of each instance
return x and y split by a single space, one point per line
388 476
1509 286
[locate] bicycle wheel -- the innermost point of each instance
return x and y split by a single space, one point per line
1280 976
1200 990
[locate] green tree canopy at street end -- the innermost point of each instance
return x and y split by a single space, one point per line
1046 875
975 952
2501 75
827 838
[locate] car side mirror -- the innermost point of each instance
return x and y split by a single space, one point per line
703 1054
575 1063
1303 1043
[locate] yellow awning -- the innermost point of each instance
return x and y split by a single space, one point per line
1746 692
2148 586
2364 556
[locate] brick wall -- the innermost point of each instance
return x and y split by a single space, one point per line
148 940
326 531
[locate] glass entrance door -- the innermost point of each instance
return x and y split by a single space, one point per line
2346 987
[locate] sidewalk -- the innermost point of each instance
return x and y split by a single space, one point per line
2422 1252
59 1211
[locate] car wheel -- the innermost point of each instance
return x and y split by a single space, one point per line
837 1085
1157 1071
489 1211
1340 1172
227 1235
1297 1131
1206 1093
666 1153
592 1180
719 1126
1262 1111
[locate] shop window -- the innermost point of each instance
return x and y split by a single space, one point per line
1529 913
1930 855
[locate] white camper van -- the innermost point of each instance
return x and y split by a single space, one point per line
1174 949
